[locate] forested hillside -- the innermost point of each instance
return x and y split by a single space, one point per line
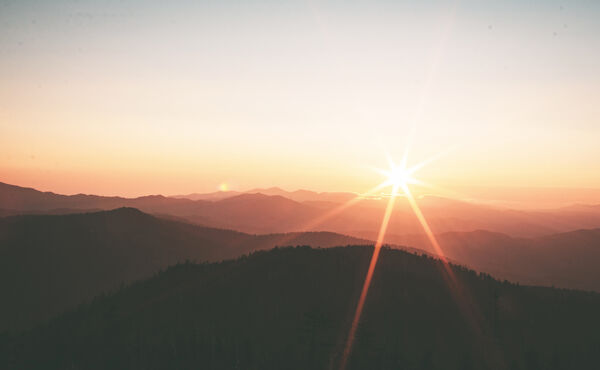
290 308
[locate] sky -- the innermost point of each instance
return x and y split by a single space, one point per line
173 97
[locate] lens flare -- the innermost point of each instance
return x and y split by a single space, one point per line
398 177
367 283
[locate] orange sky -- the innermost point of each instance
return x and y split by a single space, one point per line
165 99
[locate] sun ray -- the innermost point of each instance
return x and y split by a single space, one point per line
365 288
337 210
390 161
460 294
408 146
431 159
400 177
309 226
332 213
426 228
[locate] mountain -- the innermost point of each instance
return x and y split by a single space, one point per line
565 260
297 195
258 213
19 200
50 263
254 213
217 195
263 213
291 308
306 195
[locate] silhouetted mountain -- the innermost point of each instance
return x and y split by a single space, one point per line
49 263
30 201
565 260
291 309
260 213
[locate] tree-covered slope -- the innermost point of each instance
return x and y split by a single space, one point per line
290 308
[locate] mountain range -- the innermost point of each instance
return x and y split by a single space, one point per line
276 213
160 282
49 263
60 261
297 195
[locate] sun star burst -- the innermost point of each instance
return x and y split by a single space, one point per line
398 177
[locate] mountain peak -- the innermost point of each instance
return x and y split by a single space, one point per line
256 197
125 211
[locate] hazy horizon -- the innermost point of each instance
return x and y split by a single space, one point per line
120 98
504 197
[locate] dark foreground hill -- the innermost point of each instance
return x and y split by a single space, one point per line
51 263
290 309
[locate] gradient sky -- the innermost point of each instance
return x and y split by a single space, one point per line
138 97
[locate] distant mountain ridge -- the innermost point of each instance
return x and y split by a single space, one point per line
276 213
216 195
300 195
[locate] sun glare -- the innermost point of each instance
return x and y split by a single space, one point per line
399 177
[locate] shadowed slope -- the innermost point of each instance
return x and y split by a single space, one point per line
49 263
289 309
566 260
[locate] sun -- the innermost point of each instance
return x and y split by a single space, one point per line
399 176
